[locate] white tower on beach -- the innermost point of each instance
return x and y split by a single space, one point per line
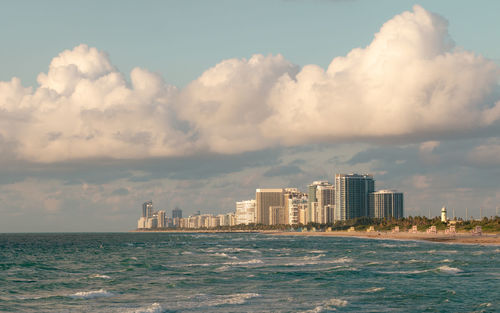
443 215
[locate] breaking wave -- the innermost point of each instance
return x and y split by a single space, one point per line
101 293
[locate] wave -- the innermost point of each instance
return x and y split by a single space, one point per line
153 308
328 305
252 261
373 289
101 293
315 257
100 276
405 272
449 270
225 255
342 260
203 300
237 298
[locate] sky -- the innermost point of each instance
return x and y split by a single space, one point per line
195 104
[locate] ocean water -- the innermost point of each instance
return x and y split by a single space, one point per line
182 272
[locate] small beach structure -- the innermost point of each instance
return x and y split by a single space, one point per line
414 229
351 229
370 229
478 230
432 230
450 230
395 229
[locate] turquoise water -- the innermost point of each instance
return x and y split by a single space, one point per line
148 272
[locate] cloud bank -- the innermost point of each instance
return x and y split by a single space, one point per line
411 83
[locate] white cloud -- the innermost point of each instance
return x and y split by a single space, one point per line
409 84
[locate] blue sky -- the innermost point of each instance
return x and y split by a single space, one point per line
181 39
197 103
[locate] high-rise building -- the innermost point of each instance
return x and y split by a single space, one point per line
266 198
245 212
161 219
311 215
176 213
325 196
352 195
147 209
386 203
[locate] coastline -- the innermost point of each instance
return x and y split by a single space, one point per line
461 238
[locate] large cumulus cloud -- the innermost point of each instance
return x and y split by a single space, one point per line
411 83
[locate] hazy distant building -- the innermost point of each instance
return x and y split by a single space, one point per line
325 196
294 202
245 212
176 213
147 209
352 195
265 198
312 215
386 204
161 217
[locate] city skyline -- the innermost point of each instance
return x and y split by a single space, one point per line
196 105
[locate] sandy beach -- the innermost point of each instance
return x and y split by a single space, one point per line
465 238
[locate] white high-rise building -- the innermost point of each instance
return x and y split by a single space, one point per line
245 212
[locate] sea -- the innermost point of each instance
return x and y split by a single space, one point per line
243 272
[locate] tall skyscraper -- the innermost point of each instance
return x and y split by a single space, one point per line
352 195
325 196
311 215
386 203
147 209
176 213
266 198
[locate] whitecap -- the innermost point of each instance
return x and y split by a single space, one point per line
100 276
328 305
405 272
373 289
153 308
449 270
249 262
237 298
446 261
101 293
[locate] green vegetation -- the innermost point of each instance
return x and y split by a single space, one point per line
491 224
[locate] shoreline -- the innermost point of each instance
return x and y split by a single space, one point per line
460 238
440 237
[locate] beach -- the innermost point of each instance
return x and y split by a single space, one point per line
465 238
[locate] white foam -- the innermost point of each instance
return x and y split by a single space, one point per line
373 289
314 257
249 262
328 305
238 298
101 293
100 276
405 272
446 261
153 308
449 270
342 260
225 255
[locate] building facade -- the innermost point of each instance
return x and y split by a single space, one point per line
352 195
245 212
386 204
264 199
